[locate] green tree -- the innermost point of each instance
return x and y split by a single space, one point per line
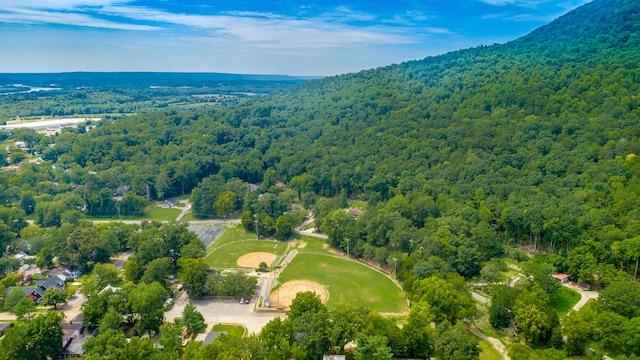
112 320
285 224
501 307
418 332
455 343
106 345
157 270
147 303
24 307
193 274
305 302
449 298
372 347
171 338
192 319
45 258
225 203
54 297
37 338
15 295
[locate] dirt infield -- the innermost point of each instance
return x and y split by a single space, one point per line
253 260
287 292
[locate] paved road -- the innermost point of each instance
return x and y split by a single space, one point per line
225 311
121 259
585 296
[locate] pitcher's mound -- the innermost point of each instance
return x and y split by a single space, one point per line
283 297
253 260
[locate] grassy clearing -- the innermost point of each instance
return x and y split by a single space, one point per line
311 244
488 352
232 330
348 282
162 214
226 256
563 300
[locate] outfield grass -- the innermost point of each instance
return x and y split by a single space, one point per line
226 256
232 330
348 282
563 300
232 234
488 352
311 244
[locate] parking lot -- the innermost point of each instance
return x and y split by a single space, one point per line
225 311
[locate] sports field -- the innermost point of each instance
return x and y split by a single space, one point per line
348 282
226 256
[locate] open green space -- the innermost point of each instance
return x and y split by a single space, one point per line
310 244
563 300
232 234
488 352
226 256
232 330
162 214
348 282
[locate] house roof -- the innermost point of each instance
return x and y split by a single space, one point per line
560 276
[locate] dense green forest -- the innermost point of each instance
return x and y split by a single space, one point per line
462 157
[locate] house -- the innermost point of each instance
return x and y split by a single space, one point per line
334 357
36 293
74 335
22 256
564 278
65 272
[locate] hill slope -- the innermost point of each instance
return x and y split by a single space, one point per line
530 141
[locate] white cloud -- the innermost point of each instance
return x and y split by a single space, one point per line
259 29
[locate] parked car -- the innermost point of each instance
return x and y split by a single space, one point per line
242 301
247 300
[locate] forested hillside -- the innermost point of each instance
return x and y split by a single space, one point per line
533 141
456 159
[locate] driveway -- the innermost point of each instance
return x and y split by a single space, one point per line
585 296
217 311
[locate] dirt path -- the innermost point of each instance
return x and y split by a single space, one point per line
497 344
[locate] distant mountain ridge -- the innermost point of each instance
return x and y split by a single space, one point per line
128 79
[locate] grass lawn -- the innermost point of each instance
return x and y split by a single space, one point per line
348 282
311 244
232 330
226 256
162 214
232 234
488 352
563 299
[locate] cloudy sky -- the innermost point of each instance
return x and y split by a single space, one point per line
254 37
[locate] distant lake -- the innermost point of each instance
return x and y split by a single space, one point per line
31 89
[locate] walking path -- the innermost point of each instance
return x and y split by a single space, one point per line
497 344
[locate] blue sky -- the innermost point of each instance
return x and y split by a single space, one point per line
254 37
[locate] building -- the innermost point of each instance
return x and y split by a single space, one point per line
564 278
65 272
36 293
